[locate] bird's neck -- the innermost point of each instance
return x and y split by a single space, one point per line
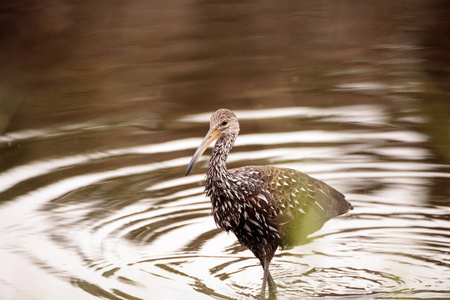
217 169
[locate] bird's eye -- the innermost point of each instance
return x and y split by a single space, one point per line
224 123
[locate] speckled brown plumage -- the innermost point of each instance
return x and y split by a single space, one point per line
265 207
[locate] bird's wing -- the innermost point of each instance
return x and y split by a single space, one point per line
302 204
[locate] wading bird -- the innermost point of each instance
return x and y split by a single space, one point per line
265 207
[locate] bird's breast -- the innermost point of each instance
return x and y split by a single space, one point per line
226 212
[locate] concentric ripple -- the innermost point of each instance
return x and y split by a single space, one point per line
127 224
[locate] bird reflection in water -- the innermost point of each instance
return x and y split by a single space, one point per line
265 207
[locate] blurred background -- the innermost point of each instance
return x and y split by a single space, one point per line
102 103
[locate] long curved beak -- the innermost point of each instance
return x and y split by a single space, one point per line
211 136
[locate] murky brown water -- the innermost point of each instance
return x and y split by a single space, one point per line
102 104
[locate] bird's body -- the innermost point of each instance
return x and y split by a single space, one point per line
265 207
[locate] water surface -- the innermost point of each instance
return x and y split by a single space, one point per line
101 116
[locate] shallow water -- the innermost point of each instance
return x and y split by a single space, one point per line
94 201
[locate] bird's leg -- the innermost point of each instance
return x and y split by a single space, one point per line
266 276
272 285
262 294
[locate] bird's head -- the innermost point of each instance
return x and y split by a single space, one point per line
223 123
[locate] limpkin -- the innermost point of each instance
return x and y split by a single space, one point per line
265 207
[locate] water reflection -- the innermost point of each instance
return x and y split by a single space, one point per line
105 106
